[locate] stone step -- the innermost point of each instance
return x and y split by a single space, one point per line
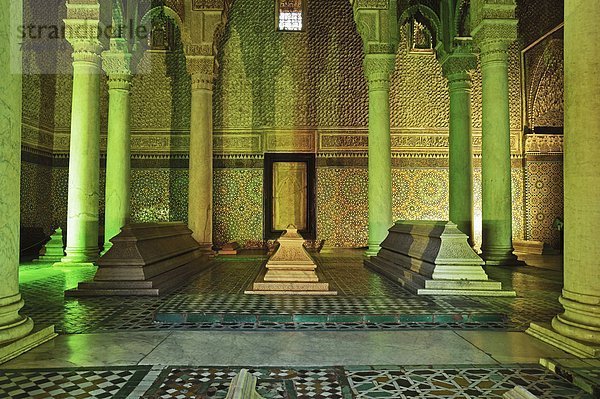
584 373
175 317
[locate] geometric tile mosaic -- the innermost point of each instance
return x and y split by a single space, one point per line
417 194
467 382
368 382
489 381
78 383
544 200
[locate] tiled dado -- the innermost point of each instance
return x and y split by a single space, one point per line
160 194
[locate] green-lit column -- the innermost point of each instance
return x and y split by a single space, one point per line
117 64
201 160
577 330
378 68
84 158
496 198
84 153
581 293
456 69
15 329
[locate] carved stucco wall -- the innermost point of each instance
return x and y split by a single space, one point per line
538 17
544 83
544 92
286 81
161 93
291 80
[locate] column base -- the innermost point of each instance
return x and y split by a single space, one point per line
79 256
545 332
107 246
207 247
500 257
35 338
373 250
62 263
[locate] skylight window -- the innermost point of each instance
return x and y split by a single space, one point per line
290 15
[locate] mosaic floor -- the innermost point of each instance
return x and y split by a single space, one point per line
215 300
332 383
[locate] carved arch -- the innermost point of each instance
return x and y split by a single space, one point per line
169 12
430 19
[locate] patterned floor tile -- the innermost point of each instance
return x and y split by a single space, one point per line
77 384
272 383
488 382
334 383
218 294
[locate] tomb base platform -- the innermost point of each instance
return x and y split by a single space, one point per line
433 258
287 287
290 271
146 259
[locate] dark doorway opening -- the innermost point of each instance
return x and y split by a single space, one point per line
290 194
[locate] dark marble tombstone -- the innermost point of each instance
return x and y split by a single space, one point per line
146 259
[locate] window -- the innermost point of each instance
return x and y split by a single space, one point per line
290 15
420 38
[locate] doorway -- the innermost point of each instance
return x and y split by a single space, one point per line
289 187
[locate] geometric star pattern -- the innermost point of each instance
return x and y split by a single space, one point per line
468 382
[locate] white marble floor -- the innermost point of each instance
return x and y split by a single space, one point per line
291 349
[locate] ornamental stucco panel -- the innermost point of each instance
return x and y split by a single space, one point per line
161 95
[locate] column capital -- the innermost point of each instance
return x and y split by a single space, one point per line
458 64
377 25
82 30
493 51
117 65
378 68
494 22
201 70
495 35
202 81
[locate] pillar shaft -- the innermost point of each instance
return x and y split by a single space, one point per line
378 69
495 159
461 153
201 161
118 156
12 325
84 159
581 293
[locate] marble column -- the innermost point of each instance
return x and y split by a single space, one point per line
378 68
16 334
84 154
456 69
201 160
117 64
496 199
577 330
